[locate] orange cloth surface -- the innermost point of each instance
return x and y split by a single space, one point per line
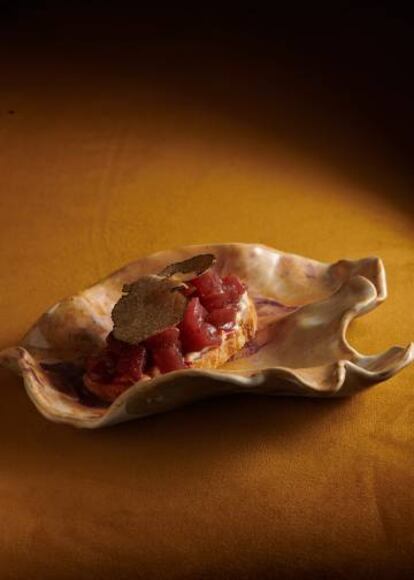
96 171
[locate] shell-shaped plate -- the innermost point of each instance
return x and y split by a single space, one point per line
304 308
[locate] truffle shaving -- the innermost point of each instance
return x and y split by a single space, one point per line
147 307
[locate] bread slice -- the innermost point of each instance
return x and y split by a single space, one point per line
212 358
233 341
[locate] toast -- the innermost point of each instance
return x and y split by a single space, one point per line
186 317
213 358
232 342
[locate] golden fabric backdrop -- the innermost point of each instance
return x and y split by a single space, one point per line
97 170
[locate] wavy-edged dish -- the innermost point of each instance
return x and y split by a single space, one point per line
300 348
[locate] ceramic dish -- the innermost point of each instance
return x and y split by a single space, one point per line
303 306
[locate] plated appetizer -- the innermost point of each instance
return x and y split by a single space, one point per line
187 316
197 322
